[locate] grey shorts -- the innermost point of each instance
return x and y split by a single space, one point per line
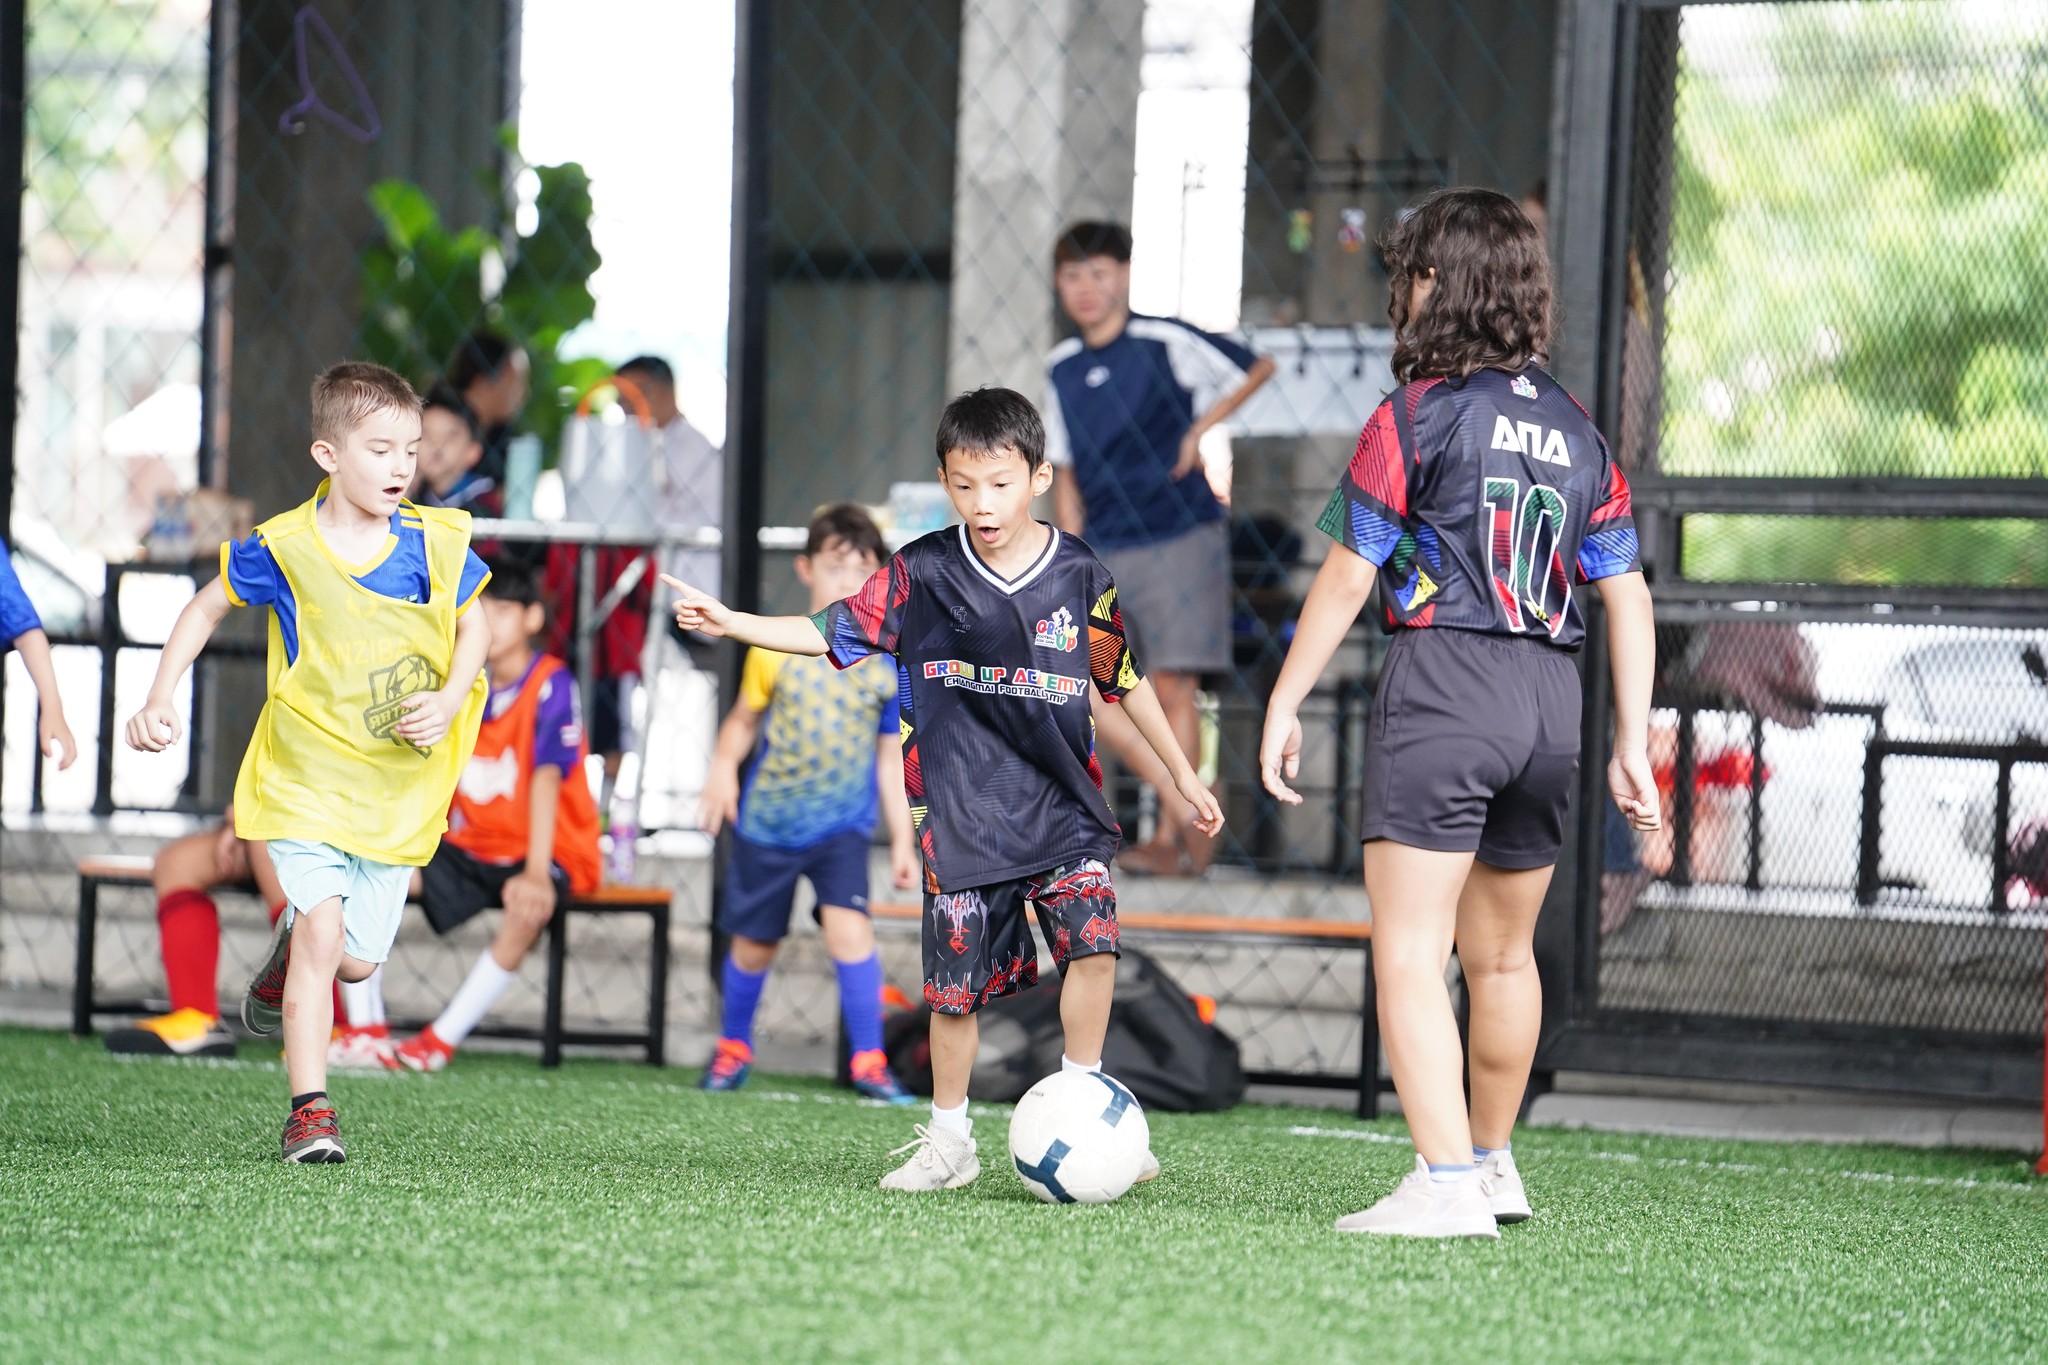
1473 746
1175 596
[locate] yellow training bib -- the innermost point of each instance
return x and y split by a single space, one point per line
325 762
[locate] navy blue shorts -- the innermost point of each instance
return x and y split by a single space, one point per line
760 882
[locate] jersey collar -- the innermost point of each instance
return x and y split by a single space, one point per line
1007 586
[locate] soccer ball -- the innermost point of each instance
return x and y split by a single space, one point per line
1078 1137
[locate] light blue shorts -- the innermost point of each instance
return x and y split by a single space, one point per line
372 893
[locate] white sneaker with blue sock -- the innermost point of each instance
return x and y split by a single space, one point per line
1447 1202
1502 1183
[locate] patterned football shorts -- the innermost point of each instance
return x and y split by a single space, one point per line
978 948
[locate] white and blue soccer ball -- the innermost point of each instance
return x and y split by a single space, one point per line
1078 1137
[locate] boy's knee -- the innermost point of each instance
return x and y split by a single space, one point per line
354 969
1093 967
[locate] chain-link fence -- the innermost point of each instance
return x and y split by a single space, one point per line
1826 381
1800 303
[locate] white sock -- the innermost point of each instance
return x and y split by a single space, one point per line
952 1120
1069 1064
364 1000
1451 1174
487 982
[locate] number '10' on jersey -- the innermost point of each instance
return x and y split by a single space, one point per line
1484 501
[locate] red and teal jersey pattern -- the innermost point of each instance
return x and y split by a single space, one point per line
993 698
1483 502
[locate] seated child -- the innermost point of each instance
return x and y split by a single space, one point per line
184 874
21 627
807 809
451 444
523 829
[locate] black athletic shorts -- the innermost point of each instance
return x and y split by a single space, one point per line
608 723
977 947
455 887
1473 746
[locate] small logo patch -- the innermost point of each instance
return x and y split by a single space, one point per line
1523 386
1096 377
1058 632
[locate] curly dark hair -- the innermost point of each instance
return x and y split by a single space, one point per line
1490 304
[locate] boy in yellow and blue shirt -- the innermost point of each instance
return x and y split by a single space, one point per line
375 693
827 762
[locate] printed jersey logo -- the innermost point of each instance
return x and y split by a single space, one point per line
1058 632
1098 932
1527 438
1523 386
1420 591
485 780
389 689
1096 377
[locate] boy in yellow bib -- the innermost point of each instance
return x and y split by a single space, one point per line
376 689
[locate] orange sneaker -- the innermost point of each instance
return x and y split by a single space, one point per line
181 1033
872 1078
729 1066
425 1052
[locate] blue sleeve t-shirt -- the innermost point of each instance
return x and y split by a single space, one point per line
17 614
253 579
1114 419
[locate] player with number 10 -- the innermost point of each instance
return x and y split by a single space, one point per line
1479 494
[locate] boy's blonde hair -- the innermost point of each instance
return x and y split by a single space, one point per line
345 396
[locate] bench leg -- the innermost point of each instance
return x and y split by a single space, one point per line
551 1014
88 934
657 989
1369 1044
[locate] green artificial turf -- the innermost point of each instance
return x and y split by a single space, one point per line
609 1212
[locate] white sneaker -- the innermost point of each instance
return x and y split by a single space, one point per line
940 1160
352 1050
1149 1170
1419 1207
1503 1186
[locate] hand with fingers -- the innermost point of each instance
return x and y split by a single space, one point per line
55 738
698 610
1208 811
1280 755
1634 787
428 716
718 805
154 728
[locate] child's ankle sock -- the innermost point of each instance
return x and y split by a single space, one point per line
1481 1153
860 1002
301 1101
952 1120
1450 1173
742 992
487 982
1069 1064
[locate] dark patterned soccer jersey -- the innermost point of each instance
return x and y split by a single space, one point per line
1483 502
998 739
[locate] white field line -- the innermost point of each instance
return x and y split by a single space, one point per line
1691 1163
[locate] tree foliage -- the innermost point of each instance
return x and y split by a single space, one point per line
425 286
1859 255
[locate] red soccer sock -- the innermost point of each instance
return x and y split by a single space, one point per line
188 926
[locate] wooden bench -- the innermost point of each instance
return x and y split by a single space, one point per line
652 901
1301 933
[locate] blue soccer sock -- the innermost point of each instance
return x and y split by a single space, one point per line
860 1002
742 991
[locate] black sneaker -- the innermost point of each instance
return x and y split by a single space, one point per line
311 1134
263 1003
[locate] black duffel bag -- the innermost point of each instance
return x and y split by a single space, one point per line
1157 1045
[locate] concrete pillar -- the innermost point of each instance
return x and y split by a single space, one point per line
1047 134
